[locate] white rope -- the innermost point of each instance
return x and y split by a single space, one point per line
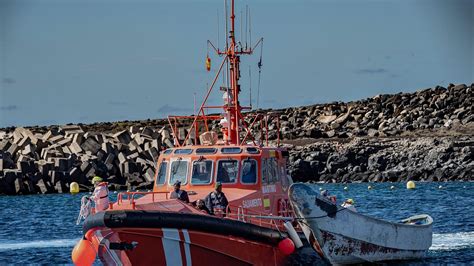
85 209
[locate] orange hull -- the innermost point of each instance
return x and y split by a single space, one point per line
169 246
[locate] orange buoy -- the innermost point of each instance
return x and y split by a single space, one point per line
83 253
286 246
208 63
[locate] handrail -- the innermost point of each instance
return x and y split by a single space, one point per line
131 196
256 217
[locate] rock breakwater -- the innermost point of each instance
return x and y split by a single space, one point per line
426 135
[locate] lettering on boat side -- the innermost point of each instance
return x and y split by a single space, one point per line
252 203
268 189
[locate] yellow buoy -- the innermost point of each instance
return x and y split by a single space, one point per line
411 185
392 187
74 188
369 187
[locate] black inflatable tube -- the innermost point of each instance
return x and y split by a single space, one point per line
195 222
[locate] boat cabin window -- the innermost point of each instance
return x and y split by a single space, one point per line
179 170
253 150
249 171
160 180
227 171
183 151
202 172
206 150
232 150
168 151
269 170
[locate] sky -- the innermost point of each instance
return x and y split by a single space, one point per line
71 61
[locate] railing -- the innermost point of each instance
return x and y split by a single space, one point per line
131 197
254 217
285 212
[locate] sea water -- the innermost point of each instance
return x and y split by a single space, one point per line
41 229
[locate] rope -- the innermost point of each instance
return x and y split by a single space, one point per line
85 209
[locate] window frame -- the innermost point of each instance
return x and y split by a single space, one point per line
242 172
231 150
183 151
171 167
158 174
210 177
276 169
217 171
199 151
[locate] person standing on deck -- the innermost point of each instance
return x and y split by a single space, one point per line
216 200
178 193
100 196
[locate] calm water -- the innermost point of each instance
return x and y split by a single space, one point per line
41 229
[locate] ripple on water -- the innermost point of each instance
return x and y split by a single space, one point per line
41 229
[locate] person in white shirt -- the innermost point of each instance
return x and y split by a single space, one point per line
100 196
349 204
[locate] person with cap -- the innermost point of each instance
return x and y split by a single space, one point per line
349 204
178 193
100 196
325 193
216 199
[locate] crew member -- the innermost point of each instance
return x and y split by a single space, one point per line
201 205
178 193
100 196
216 199
349 204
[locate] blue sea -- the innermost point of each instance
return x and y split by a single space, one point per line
41 229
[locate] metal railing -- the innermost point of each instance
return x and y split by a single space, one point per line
131 197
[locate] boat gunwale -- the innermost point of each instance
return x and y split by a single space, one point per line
189 221
340 208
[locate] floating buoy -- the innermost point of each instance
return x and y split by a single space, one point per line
74 188
411 185
392 187
83 253
320 188
346 188
369 187
286 246
440 187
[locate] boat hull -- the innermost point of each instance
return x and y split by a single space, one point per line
144 238
345 237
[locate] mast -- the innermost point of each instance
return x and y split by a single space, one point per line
233 111
232 108
232 122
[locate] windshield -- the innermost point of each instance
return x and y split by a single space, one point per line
162 173
227 171
179 170
202 172
249 172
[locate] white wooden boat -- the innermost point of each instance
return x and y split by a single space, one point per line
343 236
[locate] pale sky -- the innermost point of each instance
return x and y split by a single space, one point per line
70 61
